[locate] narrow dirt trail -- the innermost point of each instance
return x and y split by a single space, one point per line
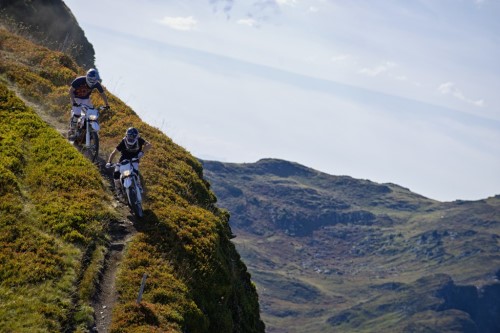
120 232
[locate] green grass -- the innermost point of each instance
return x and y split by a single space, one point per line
46 226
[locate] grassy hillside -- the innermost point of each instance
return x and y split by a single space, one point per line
55 211
52 237
334 253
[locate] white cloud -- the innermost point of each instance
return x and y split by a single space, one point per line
449 88
180 23
480 3
341 57
378 69
313 9
286 2
248 21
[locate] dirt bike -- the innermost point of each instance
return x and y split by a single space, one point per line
86 135
130 184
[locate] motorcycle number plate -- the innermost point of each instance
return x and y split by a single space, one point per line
124 167
92 112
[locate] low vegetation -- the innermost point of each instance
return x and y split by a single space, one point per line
49 231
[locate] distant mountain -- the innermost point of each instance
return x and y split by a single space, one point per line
334 253
49 23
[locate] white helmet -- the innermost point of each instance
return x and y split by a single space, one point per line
131 136
92 77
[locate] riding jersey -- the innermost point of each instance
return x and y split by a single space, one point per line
128 152
82 90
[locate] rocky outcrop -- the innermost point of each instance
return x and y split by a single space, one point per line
50 23
432 304
480 304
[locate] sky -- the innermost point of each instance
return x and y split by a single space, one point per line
403 92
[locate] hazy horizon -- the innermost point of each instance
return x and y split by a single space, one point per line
391 92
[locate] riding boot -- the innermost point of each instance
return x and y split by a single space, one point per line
72 128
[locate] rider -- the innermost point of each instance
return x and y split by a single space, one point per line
79 93
131 146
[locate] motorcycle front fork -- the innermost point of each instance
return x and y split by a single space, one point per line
87 134
134 184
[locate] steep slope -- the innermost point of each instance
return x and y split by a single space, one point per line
196 280
52 238
50 23
349 255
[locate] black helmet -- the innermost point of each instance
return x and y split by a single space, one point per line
131 136
92 77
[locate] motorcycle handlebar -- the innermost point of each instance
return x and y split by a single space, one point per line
100 108
112 165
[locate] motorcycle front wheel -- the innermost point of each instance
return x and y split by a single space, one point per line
92 150
134 203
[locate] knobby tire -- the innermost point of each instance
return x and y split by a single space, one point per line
92 151
133 202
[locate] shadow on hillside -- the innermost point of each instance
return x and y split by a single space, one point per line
155 229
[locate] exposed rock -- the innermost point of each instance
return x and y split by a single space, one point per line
50 23
481 305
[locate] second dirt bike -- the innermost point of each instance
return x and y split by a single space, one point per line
130 184
87 132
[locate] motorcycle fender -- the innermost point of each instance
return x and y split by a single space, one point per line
127 182
95 126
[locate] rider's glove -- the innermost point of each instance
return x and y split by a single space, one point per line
108 165
76 104
141 154
106 107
